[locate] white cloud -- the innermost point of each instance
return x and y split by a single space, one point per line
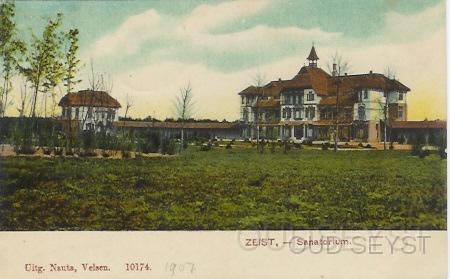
207 17
127 39
400 27
417 59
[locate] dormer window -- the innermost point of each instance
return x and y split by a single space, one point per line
400 96
310 96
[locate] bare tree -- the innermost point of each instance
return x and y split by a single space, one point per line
384 106
339 65
128 104
259 81
100 81
184 107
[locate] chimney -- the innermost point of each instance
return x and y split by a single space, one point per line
345 74
334 73
370 72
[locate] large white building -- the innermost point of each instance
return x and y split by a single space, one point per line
314 102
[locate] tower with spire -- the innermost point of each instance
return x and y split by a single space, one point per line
312 57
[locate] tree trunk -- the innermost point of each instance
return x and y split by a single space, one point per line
336 133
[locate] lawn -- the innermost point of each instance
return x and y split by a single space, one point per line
226 190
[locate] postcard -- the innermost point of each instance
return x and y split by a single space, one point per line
223 139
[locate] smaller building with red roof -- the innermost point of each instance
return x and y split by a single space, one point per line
89 110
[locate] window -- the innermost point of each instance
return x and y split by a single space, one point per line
77 113
310 96
242 100
90 112
359 96
361 113
284 113
69 112
297 114
312 112
400 112
289 113
366 94
400 96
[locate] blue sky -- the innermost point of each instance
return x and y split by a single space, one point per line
152 48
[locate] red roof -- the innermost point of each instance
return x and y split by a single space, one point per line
325 85
89 98
436 124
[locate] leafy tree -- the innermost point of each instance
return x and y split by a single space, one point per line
11 50
71 60
44 68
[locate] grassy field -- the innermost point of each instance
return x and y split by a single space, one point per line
226 190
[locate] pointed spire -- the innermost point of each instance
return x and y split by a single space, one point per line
312 57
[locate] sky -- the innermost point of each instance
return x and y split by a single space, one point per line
151 49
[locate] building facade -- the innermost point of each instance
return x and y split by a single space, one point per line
89 110
314 104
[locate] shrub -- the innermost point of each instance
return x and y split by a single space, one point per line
360 144
105 154
69 151
424 153
368 145
401 140
287 146
126 154
25 149
206 147
88 140
298 145
325 146
442 152
273 146
168 146
416 149
228 146
88 153
58 151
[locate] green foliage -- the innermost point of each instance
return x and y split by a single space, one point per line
71 63
11 50
168 146
226 190
44 68
416 149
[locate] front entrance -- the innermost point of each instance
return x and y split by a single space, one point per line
298 132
